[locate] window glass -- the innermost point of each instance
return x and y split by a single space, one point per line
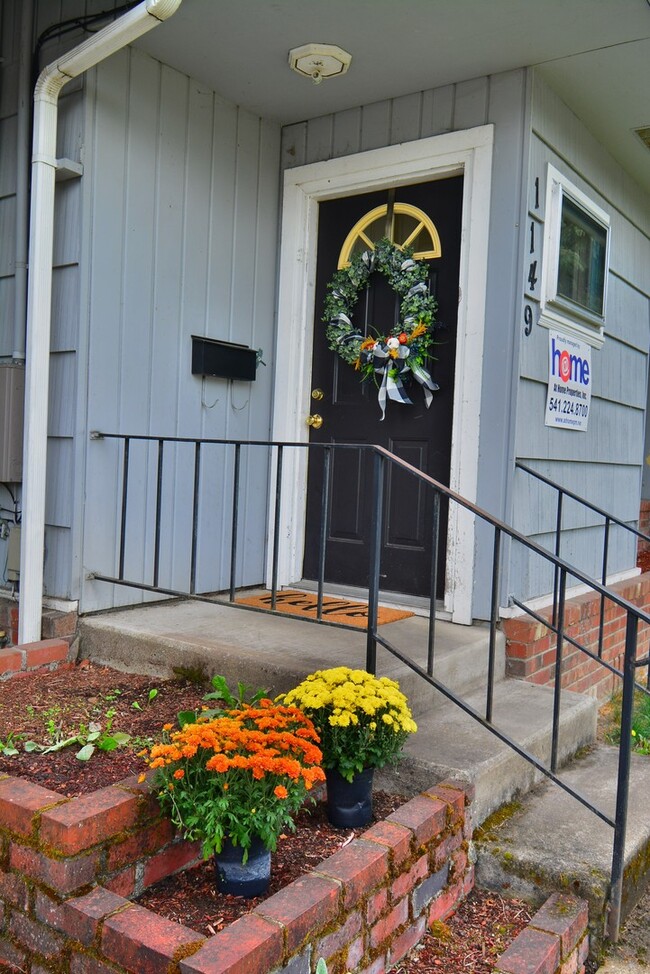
581 266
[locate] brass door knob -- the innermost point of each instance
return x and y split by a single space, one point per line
317 394
315 421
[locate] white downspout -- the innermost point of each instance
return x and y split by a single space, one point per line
22 174
112 38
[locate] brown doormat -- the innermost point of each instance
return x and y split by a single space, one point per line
335 610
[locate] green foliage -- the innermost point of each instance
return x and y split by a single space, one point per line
640 722
221 692
409 280
8 747
151 696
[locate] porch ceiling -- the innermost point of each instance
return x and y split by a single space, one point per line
595 53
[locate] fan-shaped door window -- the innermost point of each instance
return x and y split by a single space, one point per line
406 226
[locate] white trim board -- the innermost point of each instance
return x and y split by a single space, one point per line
468 152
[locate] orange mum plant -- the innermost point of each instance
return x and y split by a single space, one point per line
240 774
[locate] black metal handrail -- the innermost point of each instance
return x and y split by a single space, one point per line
608 519
382 458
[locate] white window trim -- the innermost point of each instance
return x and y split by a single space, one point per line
554 313
469 152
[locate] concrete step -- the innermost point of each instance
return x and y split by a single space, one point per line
276 652
548 841
450 743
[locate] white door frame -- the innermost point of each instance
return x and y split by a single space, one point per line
468 152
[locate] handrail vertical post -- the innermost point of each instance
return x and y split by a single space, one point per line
322 540
276 529
234 534
434 582
558 541
195 514
376 528
494 618
156 549
601 624
623 783
557 689
125 489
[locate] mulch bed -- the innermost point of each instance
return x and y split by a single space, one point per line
468 943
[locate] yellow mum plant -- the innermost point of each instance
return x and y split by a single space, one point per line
362 720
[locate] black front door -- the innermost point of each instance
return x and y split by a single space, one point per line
351 412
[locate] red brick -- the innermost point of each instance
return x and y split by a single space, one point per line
250 945
44 651
35 937
378 966
122 883
11 955
58 624
387 926
89 820
170 860
14 890
376 905
20 803
63 876
565 916
445 904
142 843
85 964
396 837
424 816
444 850
532 952
303 907
570 966
81 918
11 660
406 881
360 867
344 937
354 955
406 941
143 942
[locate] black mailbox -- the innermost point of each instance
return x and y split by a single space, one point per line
225 360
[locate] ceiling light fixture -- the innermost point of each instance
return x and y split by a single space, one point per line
319 61
644 131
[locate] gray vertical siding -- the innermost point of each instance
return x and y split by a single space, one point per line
605 463
181 201
502 100
65 285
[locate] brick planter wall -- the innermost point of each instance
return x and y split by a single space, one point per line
50 654
68 866
54 623
554 942
530 645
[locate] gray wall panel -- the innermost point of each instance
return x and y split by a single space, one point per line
605 463
184 195
8 156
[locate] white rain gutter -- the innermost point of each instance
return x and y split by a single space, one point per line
22 179
112 38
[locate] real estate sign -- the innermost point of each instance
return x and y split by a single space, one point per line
568 400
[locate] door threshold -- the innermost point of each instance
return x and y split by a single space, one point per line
392 600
